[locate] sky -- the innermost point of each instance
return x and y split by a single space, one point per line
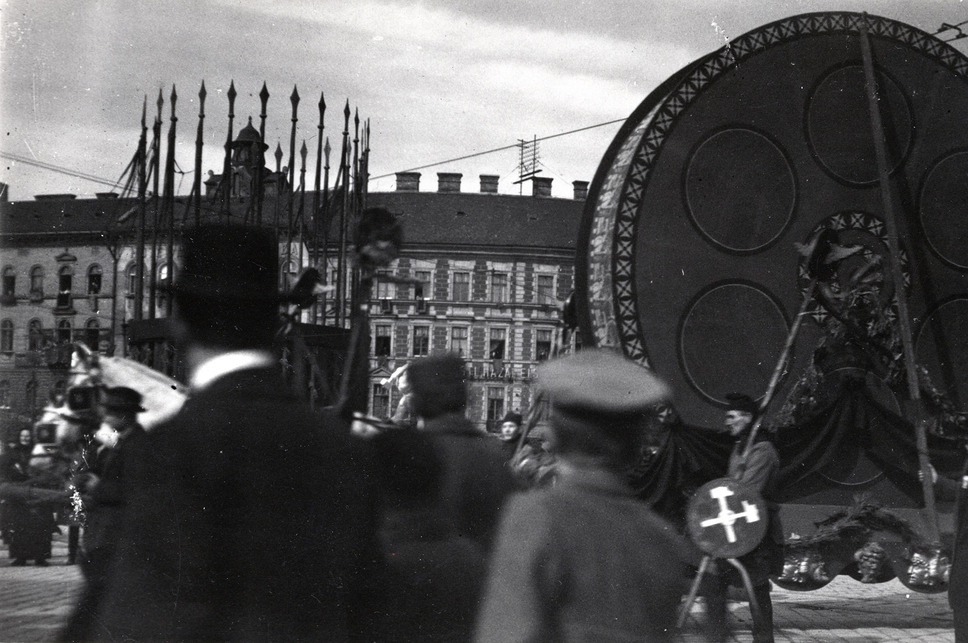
437 80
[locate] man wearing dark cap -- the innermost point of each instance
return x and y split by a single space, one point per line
476 480
584 560
247 516
757 466
102 491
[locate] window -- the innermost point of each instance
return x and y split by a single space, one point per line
94 280
163 273
542 345
499 288
458 340
495 406
384 288
421 289
37 281
35 335
6 337
92 334
381 401
497 343
5 394
132 275
462 286
381 341
421 340
65 283
64 331
546 289
9 282
31 397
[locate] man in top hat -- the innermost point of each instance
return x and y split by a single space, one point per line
101 488
247 516
757 466
584 559
476 481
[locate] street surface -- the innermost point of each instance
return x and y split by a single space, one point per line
36 601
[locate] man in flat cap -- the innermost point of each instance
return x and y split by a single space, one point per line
247 516
757 466
584 559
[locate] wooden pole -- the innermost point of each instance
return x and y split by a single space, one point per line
259 192
139 293
903 317
226 182
169 198
156 154
199 142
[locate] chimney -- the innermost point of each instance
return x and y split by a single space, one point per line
448 181
408 181
489 183
581 190
542 186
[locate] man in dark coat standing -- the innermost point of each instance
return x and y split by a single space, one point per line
476 479
247 516
757 466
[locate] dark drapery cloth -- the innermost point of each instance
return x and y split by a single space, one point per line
689 458
851 424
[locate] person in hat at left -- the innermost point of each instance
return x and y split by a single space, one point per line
101 488
584 559
247 516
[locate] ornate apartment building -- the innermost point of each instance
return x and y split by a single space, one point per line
492 271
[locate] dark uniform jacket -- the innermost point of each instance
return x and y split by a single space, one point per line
759 470
247 518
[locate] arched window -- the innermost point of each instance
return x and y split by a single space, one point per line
65 284
94 277
31 397
35 335
9 282
92 334
163 273
64 331
6 337
37 281
5 394
132 278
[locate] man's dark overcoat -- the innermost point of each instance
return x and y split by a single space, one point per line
247 518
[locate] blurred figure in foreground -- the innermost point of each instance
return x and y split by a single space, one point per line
247 517
584 560
435 573
101 489
476 480
27 506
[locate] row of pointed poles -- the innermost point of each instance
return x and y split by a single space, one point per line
346 197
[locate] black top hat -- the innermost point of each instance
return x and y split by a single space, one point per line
511 416
741 402
122 398
227 291
229 262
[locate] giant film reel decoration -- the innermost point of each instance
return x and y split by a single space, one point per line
686 258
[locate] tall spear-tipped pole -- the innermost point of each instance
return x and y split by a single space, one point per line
300 221
199 142
356 155
139 293
324 262
156 154
170 196
278 199
320 127
259 187
226 182
903 315
294 100
341 263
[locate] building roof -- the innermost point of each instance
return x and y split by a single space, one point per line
462 218
428 218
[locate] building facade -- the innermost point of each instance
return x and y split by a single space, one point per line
482 274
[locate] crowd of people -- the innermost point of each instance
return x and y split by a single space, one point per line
248 516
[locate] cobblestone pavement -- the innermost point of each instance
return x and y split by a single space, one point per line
36 601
